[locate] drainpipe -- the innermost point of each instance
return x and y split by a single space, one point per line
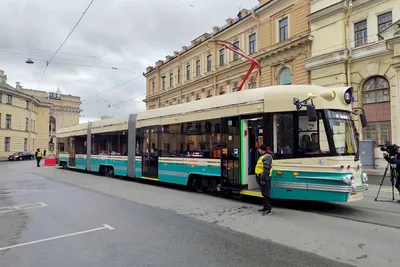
347 42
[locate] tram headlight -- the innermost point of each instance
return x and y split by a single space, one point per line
348 95
364 178
348 179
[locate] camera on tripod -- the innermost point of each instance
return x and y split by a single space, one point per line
392 156
392 150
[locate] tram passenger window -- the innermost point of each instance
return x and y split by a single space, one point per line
110 144
283 134
171 140
312 136
139 143
80 144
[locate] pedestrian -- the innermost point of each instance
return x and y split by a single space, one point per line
44 153
263 177
38 156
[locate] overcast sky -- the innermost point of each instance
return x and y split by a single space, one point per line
127 34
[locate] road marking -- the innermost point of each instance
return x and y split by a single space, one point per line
17 192
105 226
22 207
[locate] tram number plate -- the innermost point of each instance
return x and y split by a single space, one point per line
355 196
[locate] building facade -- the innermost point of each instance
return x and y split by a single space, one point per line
29 119
275 32
363 53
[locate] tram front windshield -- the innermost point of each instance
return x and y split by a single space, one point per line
343 131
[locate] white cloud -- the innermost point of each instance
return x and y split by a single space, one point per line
129 34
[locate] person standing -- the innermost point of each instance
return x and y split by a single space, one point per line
44 153
263 177
38 156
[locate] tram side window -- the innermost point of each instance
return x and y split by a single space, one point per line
80 144
312 136
111 143
202 139
139 143
171 140
283 134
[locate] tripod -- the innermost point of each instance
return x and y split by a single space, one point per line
393 175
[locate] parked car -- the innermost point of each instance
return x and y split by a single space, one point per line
21 156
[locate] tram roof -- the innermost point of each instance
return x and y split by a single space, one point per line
265 99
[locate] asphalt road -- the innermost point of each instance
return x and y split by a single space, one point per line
44 222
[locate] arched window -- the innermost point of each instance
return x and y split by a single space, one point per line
285 77
376 89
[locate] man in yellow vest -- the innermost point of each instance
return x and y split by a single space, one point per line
38 156
263 177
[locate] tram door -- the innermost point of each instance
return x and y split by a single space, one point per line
71 151
253 131
150 152
230 152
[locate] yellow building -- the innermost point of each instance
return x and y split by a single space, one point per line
275 32
29 119
356 43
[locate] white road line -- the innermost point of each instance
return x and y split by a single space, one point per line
22 207
8 192
105 226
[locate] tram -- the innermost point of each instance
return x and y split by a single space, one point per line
211 144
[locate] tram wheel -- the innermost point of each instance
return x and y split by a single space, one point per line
196 184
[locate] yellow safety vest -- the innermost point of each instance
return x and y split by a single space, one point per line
39 154
260 165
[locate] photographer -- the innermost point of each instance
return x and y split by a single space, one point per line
393 157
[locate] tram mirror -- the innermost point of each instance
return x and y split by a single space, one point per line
311 113
363 119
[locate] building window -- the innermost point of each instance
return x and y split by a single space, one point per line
163 82
252 43
252 85
380 132
360 33
8 121
27 104
285 77
235 87
376 89
9 99
197 96
171 80
33 144
25 144
384 21
221 57
26 124
236 55
283 29
209 63
188 72
1 98
7 141
198 68
187 99
0 120
153 86
179 76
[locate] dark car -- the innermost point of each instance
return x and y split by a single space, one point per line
21 156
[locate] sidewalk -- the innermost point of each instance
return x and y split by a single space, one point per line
3 159
375 172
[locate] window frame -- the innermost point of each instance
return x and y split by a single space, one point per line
9 99
375 91
209 63
387 23
364 33
252 43
236 55
222 57
8 121
171 80
198 70
281 72
283 30
187 72
7 144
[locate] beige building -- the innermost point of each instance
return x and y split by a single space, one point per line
29 119
275 32
357 43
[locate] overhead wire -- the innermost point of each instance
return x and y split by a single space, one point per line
62 44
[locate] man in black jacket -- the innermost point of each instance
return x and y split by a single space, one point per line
263 177
395 160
